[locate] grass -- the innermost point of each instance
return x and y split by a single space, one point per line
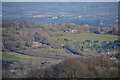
6 56
87 36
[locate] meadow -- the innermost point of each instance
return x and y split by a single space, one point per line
87 36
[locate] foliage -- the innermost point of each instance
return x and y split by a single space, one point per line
91 67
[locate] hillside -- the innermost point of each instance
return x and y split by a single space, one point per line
28 45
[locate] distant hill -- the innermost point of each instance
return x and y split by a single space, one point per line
58 13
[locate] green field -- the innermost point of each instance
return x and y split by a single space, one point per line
87 36
6 56
78 42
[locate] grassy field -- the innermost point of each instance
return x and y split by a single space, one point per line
77 41
87 36
6 56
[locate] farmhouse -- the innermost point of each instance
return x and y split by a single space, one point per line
71 31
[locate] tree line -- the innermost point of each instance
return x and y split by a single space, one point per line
90 67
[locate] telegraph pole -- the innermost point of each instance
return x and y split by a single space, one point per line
101 26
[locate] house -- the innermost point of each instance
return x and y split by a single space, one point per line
102 32
113 58
68 30
54 17
12 71
73 31
36 44
108 53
